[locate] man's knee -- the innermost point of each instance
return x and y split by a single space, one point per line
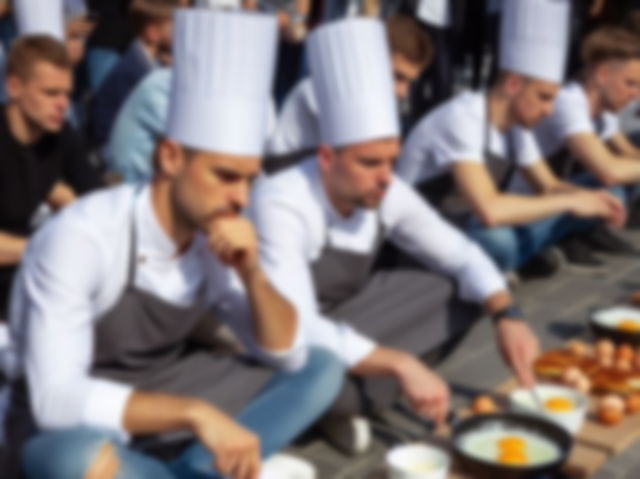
105 464
79 454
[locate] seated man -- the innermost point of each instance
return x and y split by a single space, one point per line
297 133
152 22
464 154
321 224
43 158
582 137
112 288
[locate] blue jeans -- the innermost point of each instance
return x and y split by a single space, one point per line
512 246
289 403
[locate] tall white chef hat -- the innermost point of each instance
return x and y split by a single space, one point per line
228 4
38 17
352 79
535 37
221 83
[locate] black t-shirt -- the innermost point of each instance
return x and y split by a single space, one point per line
27 176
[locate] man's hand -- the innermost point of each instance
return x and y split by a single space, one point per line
236 449
601 204
519 348
427 393
234 241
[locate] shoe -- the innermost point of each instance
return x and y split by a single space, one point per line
602 238
544 264
579 254
286 466
349 434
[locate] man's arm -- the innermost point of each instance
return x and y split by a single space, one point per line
495 208
60 196
621 146
597 158
11 248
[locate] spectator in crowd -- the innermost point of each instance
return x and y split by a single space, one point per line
43 158
113 286
321 224
582 138
152 22
297 133
464 155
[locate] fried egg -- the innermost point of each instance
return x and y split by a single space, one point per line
495 444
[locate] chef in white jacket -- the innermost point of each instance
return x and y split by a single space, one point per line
111 289
322 222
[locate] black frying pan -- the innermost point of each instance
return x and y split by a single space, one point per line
490 470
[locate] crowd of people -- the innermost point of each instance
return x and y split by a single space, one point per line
224 222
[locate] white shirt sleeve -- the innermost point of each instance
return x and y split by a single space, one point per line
283 234
527 149
234 310
446 136
58 283
297 128
570 115
611 126
420 231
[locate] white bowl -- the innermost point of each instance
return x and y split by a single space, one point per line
413 461
523 401
610 317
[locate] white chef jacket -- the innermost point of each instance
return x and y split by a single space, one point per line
455 132
74 271
571 116
298 125
294 219
434 12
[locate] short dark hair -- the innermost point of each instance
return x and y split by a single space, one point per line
145 12
27 51
610 43
407 38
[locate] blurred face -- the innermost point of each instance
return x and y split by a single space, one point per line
206 186
532 101
404 73
357 176
42 97
163 38
75 42
618 83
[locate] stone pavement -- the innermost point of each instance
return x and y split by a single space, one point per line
557 309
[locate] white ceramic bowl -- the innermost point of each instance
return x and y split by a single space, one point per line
417 461
523 401
610 317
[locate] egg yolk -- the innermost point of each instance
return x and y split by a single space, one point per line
628 325
511 443
558 404
514 458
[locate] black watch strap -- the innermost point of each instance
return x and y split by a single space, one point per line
512 312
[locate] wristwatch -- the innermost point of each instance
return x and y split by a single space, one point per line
512 312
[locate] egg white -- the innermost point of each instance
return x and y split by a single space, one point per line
483 444
610 317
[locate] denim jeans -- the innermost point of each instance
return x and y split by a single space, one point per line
512 246
289 403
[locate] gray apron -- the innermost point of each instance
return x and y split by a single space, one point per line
411 309
564 164
144 341
443 193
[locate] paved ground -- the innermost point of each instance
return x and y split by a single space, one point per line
557 309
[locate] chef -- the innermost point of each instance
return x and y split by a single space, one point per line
583 136
464 155
321 224
111 289
297 133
